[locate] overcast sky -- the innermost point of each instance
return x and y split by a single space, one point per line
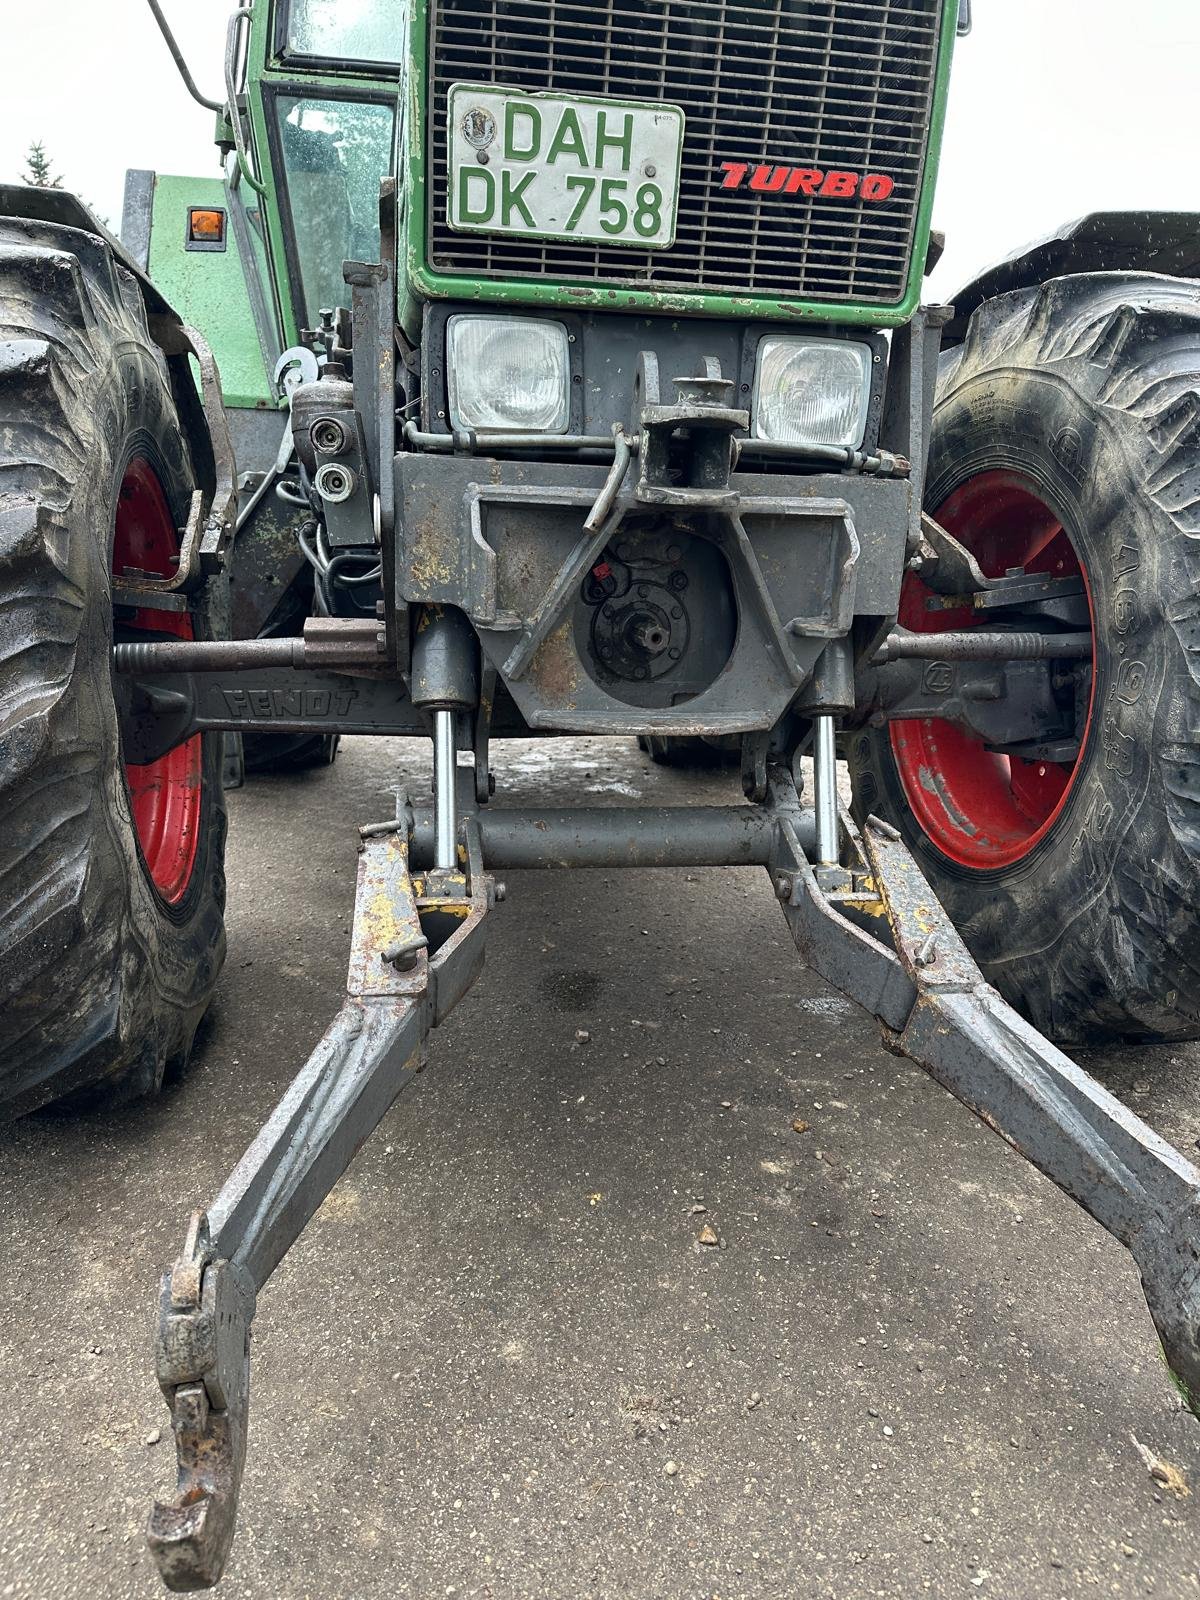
1057 107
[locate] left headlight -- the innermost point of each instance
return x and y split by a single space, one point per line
811 391
508 373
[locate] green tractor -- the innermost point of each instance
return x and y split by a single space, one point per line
577 381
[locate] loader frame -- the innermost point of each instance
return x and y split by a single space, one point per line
866 921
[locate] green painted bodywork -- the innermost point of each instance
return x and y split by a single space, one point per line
208 288
417 283
423 283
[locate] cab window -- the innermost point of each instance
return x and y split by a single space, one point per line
335 152
345 30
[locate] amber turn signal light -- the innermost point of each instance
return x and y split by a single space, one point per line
206 226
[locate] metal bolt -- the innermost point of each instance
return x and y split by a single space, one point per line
501 892
928 952
878 825
783 887
403 954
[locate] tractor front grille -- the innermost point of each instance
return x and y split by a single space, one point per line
843 85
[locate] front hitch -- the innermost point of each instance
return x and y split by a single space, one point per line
861 914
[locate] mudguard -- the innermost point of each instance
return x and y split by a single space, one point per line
1167 242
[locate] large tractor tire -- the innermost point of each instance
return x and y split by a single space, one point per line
111 875
288 752
688 751
1067 439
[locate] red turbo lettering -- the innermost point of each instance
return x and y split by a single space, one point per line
769 178
804 180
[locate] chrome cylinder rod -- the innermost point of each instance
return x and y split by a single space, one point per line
825 801
445 758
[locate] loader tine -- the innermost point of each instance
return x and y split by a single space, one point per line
397 989
937 1008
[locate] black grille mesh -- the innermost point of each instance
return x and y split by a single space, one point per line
835 84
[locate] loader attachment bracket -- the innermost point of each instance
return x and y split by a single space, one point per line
202 1356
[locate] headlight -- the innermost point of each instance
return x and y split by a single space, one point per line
508 373
812 391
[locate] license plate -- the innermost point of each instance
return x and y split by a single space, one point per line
548 166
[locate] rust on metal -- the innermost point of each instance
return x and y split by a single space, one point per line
387 926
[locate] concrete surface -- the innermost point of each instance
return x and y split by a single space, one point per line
912 1368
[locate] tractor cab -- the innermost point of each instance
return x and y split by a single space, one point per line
322 85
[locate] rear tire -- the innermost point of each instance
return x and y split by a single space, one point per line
111 878
674 750
1081 395
288 752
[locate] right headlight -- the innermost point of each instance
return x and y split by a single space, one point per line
508 373
811 391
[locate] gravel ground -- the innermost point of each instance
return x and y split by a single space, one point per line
500 1362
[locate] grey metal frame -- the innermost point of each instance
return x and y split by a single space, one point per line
914 975
857 906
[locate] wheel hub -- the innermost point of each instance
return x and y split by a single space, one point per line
983 808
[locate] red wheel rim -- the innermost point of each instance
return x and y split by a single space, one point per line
982 809
164 794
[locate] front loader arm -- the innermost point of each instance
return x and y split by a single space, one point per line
936 1008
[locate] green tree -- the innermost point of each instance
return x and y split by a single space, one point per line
37 168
